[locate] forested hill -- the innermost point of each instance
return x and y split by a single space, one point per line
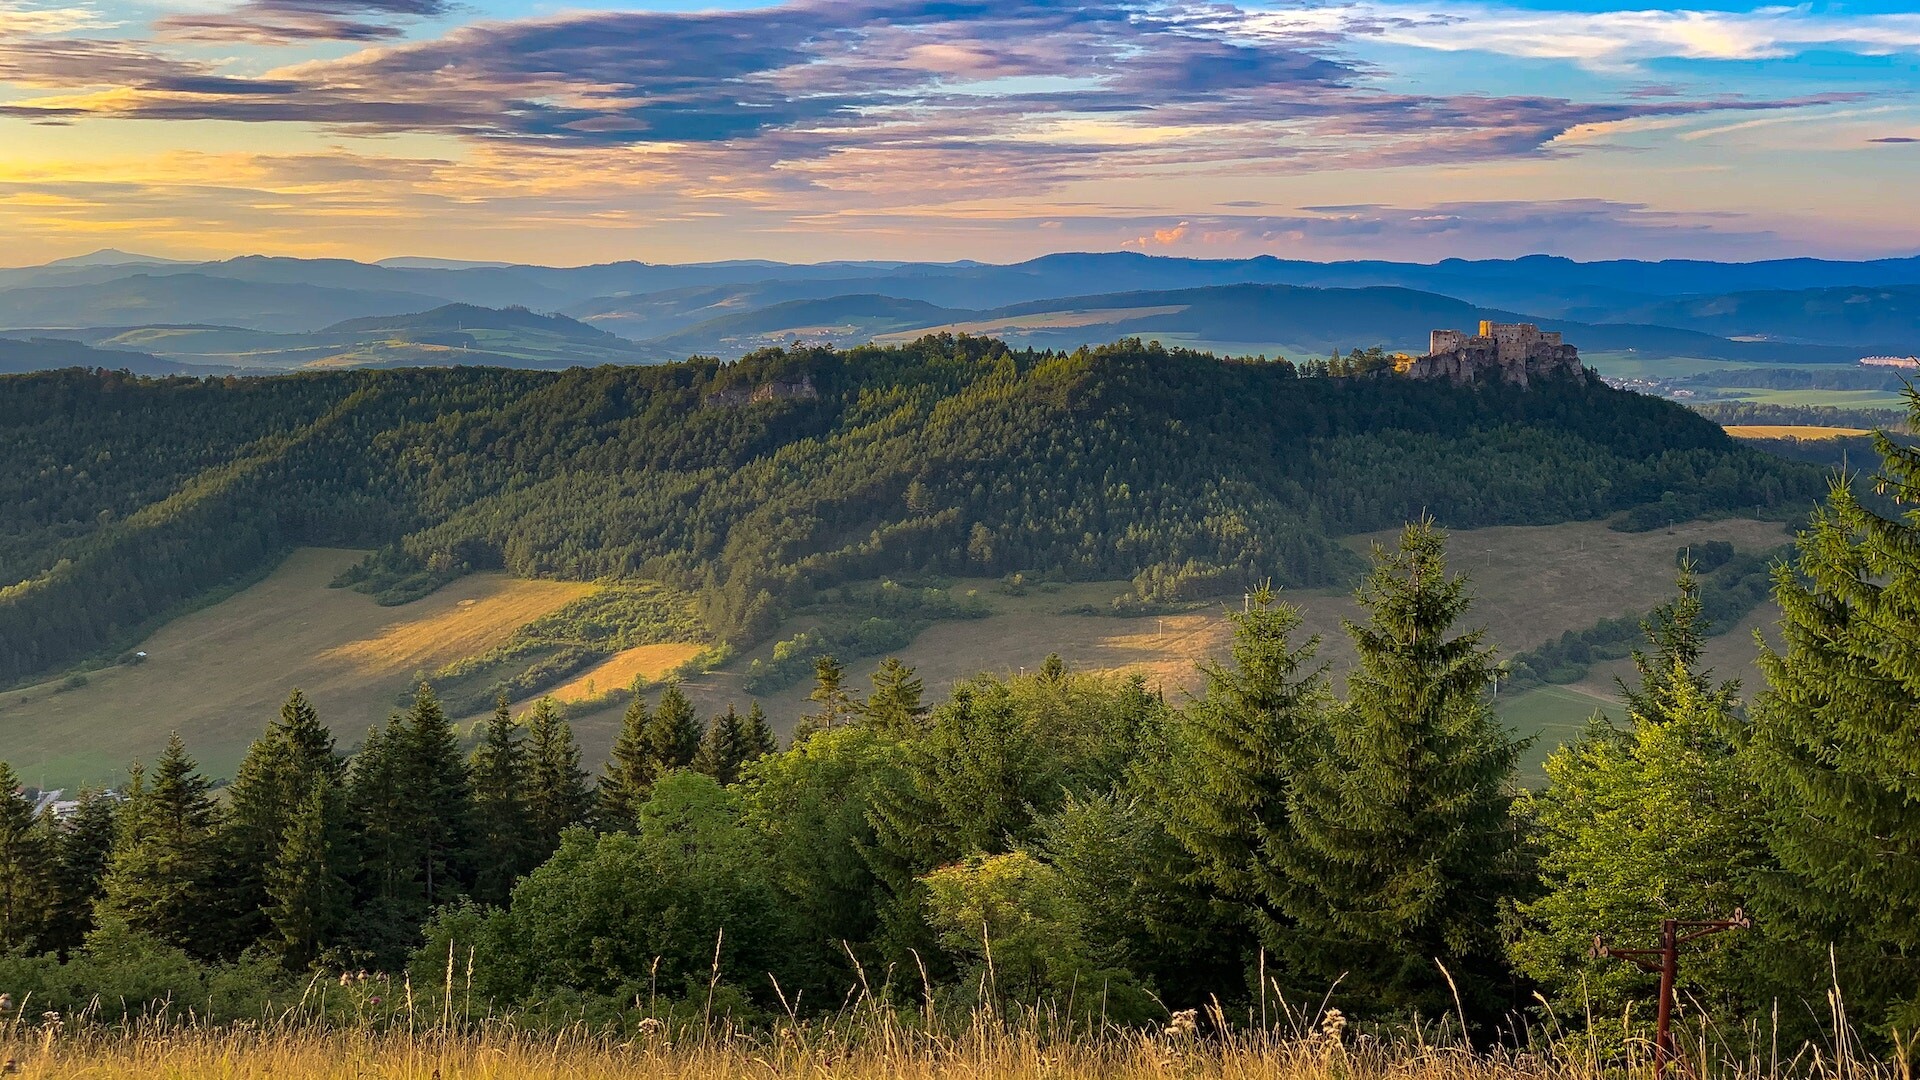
122 498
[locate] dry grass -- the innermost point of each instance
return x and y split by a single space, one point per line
219 674
647 662
472 625
1792 431
882 1049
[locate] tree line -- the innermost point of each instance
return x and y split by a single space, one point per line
1026 840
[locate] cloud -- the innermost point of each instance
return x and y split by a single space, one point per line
283 22
1613 39
19 21
1895 139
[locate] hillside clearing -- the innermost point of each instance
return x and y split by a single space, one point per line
648 662
1792 431
217 675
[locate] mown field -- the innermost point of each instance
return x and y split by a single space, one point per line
216 675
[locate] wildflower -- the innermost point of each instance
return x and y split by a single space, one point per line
346 978
1183 1024
6 1003
1333 1026
374 1000
651 1026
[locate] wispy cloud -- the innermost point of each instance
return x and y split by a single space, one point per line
1612 39
284 22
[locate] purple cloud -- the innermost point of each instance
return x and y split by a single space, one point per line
280 22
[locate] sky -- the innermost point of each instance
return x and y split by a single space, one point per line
808 130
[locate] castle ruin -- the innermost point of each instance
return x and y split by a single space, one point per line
1511 352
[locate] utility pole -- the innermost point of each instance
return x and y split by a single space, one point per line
1666 961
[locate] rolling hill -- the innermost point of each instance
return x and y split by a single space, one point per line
755 486
198 298
1882 318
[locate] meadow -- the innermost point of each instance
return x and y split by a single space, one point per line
213 675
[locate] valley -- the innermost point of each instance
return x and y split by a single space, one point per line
218 674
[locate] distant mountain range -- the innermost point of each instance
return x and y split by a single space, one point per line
258 313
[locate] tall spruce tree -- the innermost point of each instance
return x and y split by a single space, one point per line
557 795
1835 742
1653 820
502 824
308 897
834 703
629 774
723 749
1404 838
410 801
759 734
162 875
894 708
282 765
83 844
673 734
1224 789
26 865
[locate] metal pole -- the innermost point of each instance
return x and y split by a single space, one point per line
1669 969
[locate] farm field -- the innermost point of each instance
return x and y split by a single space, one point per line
218 674
1791 431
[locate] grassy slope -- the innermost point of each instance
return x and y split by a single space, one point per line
219 674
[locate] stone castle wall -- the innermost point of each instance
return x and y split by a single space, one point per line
1511 352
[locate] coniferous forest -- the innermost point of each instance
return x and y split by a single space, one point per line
1060 840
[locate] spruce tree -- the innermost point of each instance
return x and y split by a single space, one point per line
161 876
26 865
629 773
723 749
502 824
1654 820
83 844
673 735
759 735
410 802
557 796
308 898
1404 838
836 705
1835 741
1225 788
442 798
282 765
894 708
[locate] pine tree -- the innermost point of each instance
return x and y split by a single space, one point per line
557 796
673 735
1405 842
629 773
26 865
1225 789
83 844
410 802
502 823
442 793
1835 741
759 735
1656 820
894 707
308 899
723 749
836 705
295 752
161 875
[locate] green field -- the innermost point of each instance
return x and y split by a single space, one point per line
1550 715
1887 400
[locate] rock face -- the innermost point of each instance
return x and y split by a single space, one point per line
801 389
1511 352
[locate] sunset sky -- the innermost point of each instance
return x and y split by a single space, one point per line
951 129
